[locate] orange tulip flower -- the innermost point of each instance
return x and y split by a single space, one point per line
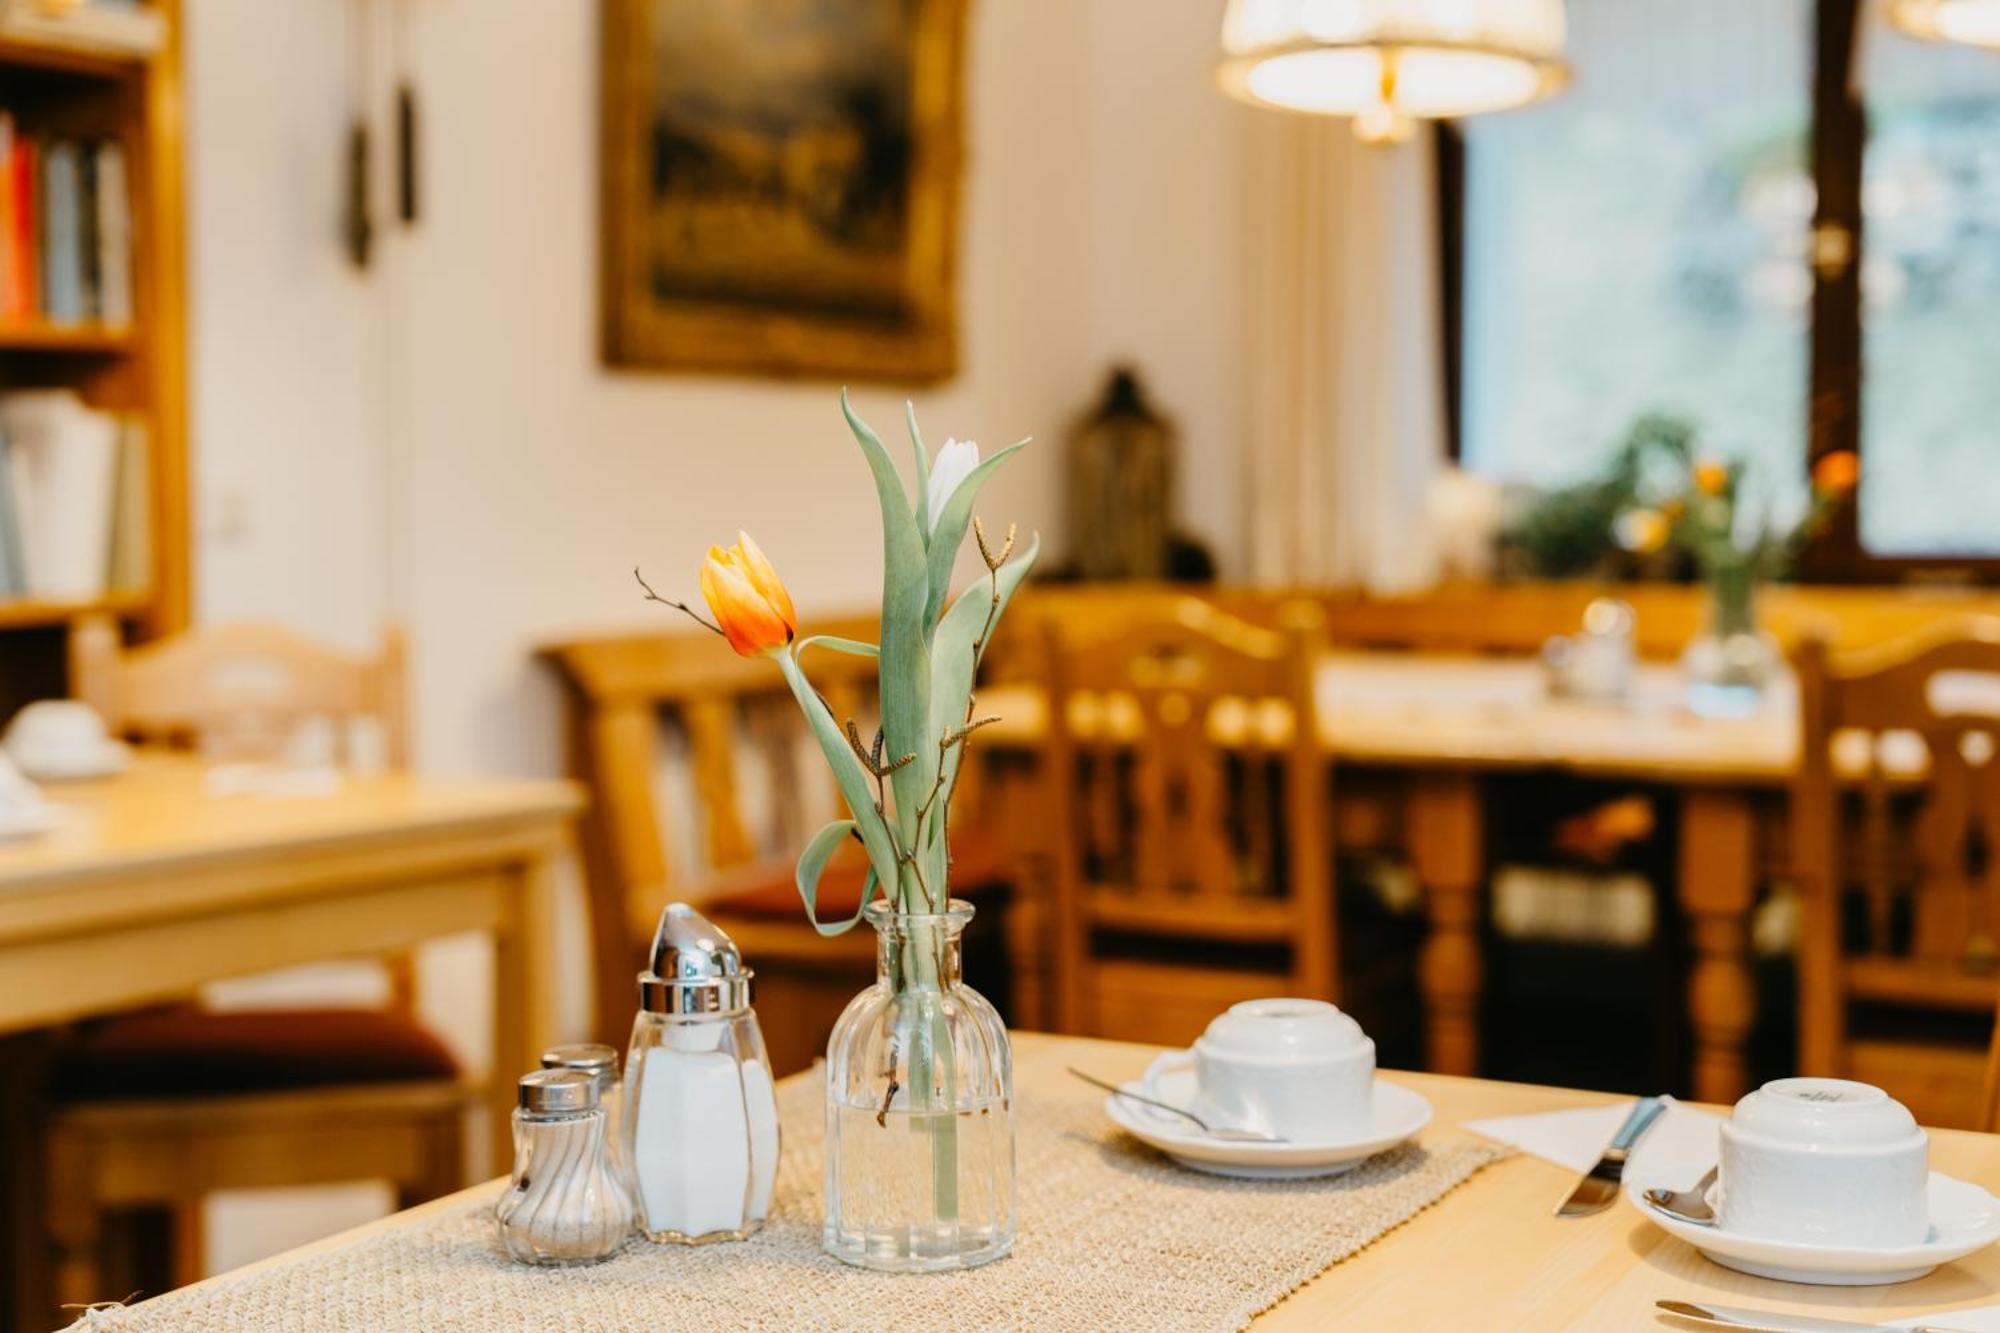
1836 473
1710 476
748 599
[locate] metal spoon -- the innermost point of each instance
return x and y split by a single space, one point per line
1226 1135
1689 1205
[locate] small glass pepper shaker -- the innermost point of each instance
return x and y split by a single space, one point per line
601 1063
566 1204
701 1113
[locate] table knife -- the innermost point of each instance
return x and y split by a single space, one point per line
1596 1191
1775 1321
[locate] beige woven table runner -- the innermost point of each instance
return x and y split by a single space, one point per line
1112 1235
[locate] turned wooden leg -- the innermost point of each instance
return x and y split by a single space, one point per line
1717 890
75 1225
1447 839
523 999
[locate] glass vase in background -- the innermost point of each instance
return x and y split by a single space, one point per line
920 1109
1731 663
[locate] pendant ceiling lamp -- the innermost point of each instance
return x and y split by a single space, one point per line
1388 63
1973 22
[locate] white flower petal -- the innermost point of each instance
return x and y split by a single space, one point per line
955 461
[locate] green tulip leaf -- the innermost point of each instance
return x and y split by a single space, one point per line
955 654
857 788
833 643
905 672
812 864
922 507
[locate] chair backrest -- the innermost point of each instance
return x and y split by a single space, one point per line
1186 783
1896 829
243 689
657 717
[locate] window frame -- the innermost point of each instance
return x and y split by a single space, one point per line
1834 378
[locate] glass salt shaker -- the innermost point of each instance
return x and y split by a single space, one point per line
701 1114
601 1063
566 1204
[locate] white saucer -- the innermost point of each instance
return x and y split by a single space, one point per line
27 820
1399 1114
1964 1219
96 761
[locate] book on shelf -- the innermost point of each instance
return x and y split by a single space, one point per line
65 229
75 499
97 27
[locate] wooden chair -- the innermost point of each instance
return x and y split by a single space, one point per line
155 1110
1188 800
629 699
1896 853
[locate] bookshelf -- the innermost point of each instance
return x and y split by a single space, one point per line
65 81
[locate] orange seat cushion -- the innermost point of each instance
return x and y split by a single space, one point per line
771 891
184 1051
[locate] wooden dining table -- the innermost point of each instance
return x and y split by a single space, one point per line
158 881
1417 737
1488 1255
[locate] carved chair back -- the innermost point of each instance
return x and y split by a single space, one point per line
1896 831
1187 791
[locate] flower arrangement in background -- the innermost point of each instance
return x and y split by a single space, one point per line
1720 521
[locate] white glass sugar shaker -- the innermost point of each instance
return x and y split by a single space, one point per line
565 1204
701 1115
601 1063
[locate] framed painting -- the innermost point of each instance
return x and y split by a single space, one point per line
780 185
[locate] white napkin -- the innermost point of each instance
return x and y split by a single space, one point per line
1983 1319
1681 1144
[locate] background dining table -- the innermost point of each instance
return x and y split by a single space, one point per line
1490 1254
1415 736
151 885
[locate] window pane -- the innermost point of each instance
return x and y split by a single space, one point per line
1639 244
1930 282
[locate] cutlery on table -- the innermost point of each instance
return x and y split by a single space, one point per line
1776 1321
1689 1205
1596 1191
1221 1132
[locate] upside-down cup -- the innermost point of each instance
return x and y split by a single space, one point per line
1825 1161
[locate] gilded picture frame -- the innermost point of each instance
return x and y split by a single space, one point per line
780 185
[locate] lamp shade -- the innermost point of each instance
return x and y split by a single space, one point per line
1385 62
1973 22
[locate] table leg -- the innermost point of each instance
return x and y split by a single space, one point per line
1447 847
1717 889
523 996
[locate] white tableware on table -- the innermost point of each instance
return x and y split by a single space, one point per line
1395 1115
1296 1069
1963 1220
23 812
1827 1161
59 739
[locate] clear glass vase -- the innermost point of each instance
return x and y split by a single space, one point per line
919 1109
1732 661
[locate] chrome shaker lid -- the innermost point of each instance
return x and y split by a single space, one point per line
696 969
557 1091
600 1062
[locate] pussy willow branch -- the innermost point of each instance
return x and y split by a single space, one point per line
681 607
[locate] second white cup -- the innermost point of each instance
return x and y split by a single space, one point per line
1826 1161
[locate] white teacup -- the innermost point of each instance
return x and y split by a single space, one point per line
1299 1069
1825 1161
61 738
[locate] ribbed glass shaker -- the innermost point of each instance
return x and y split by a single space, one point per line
566 1204
601 1063
701 1113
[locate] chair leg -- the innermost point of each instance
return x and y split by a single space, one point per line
187 1242
75 1226
24 1228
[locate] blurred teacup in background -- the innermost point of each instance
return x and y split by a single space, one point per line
1825 1161
54 739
